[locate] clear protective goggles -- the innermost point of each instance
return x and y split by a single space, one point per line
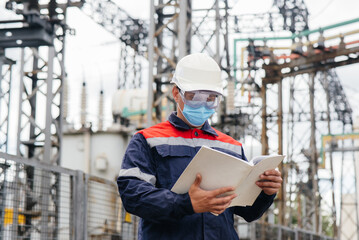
201 98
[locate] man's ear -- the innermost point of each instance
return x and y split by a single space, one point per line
175 93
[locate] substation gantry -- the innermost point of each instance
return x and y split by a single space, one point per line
317 105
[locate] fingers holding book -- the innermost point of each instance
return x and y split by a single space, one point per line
215 201
270 181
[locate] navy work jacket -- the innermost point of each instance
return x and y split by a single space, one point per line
154 160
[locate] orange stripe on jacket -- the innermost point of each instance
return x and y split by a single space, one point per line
166 129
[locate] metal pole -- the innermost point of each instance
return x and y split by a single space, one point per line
2 59
182 31
3 198
5 99
253 231
313 171
334 214
218 26
189 26
290 137
356 192
119 76
18 143
296 235
226 42
45 176
31 148
279 236
150 64
160 47
355 187
221 109
80 207
341 193
280 118
8 110
235 60
61 119
280 152
21 90
264 137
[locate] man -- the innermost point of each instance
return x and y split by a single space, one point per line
156 157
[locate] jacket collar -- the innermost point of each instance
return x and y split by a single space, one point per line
179 123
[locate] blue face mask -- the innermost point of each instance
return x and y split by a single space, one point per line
197 116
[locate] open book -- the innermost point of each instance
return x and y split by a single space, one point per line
219 169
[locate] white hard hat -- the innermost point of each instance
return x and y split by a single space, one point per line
198 71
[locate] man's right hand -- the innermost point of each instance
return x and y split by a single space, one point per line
209 201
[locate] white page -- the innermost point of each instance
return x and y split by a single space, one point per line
249 191
218 169
257 159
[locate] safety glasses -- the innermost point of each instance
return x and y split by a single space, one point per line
200 98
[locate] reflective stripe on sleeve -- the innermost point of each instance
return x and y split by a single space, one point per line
170 141
195 142
136 172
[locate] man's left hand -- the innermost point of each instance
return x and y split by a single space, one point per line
270 181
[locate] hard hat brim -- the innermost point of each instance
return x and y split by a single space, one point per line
196 87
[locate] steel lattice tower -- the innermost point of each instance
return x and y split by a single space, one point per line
41 44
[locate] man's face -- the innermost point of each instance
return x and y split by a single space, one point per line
200 99
205 101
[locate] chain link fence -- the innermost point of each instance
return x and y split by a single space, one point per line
265 231
34 199
41 201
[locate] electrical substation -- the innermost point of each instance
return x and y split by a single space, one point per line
283 94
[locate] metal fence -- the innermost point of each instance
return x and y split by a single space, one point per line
41 201
265 231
